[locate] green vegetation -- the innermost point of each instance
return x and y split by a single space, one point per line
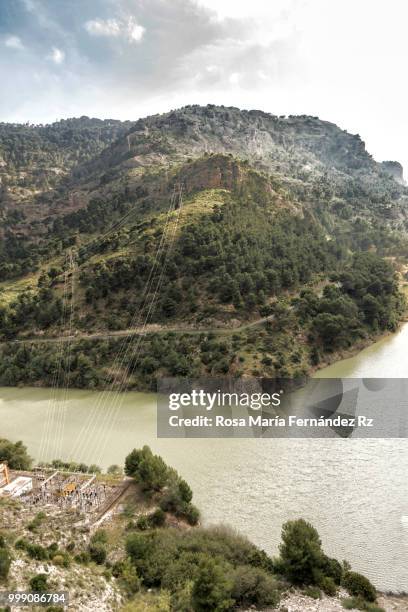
357 603
156 561
15 455
155 476
359 300
5 560
359 586
39 583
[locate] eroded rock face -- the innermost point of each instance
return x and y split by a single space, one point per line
394 169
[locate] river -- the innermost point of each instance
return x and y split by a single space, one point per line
354 491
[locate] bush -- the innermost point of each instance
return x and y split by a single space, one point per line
143 522
83 557
312 591
130 578
328 586
357 603
253 586
38 583
97 553
359 586
212 586
35 551
189 512
158 518
21 544
99 537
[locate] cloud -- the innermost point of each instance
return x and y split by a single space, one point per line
129 58
14 42
128 29
57 56
100 27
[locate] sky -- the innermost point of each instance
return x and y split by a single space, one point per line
341 60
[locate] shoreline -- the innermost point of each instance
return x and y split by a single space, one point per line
329 359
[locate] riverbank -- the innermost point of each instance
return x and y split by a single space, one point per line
343 354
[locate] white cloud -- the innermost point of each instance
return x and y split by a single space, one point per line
14 42
135 31
57 56
128 29
101 27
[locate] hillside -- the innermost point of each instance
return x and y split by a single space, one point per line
218 240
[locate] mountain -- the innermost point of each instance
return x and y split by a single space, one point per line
207 240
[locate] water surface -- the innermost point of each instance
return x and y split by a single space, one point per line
354 491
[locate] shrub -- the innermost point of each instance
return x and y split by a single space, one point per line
99 537
253 586
36 522
58 560
83 557
158 518
357 603
38 583
130 578
312 591
183 569
328 586
143 522
35 551
359 586
97 553
21 544
212 586
189 512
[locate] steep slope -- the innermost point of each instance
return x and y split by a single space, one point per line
36 162
302 150
185 231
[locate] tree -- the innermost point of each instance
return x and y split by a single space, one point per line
148 469
115 470
301 551
15 455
